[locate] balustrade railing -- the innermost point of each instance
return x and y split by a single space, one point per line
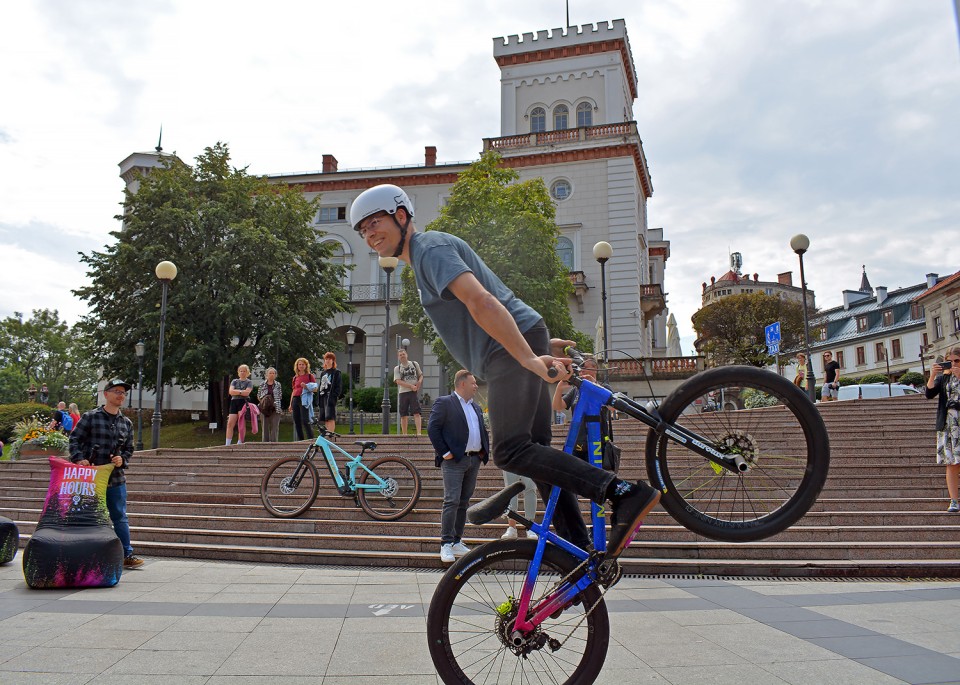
560 136
656 367
375 292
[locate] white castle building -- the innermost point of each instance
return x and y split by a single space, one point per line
566 116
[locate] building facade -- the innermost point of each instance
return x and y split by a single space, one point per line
873 331
567 117
940 305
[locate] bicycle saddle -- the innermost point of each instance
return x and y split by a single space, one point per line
366 444
494 506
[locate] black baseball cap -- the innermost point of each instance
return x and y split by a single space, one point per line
116 383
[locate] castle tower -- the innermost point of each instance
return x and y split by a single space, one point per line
566 116
587 69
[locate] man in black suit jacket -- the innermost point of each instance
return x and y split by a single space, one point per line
461 444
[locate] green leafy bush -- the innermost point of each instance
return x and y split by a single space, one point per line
10 414
873 378
753 398
912 378
371 399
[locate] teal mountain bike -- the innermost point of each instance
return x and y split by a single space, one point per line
738 454
388 489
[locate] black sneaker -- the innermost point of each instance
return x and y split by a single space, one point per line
629 510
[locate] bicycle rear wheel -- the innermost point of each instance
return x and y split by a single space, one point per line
765 419
289 487
474 607
398 497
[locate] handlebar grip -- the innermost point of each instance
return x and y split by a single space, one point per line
574 354
552 372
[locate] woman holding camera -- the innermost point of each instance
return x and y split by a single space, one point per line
944 384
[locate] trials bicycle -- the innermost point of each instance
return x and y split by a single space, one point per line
738 454
388 489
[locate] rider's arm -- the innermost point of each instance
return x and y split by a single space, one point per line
496 321
558 402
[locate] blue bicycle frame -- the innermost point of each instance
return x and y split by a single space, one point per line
353 463
586 411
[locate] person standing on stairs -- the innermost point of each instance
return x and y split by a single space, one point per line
944 384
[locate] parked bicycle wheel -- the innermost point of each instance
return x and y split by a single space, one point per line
760 416
473 610
400 495
289 487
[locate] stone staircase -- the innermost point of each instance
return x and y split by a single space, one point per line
880 513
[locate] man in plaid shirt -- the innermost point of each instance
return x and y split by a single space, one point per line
102 436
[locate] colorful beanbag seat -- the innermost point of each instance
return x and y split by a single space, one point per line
9 540
74 544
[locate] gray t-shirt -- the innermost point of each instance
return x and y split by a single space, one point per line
437 259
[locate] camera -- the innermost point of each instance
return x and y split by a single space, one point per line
946 366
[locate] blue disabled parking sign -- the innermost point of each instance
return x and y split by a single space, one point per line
772 334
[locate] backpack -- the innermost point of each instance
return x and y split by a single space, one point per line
268 405
66 421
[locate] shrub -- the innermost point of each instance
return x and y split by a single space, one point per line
10 414
846 380
753 398
912 378
873 378
371 399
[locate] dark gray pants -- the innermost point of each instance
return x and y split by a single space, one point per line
459 482
520 425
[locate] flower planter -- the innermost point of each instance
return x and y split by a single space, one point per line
36 451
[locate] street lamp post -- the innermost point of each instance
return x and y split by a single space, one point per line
602 252
800 244
140 348
388 264
166 272
66 383
351 339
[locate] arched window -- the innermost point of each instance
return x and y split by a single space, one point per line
538 120
584 114
565 252
561 114
339 256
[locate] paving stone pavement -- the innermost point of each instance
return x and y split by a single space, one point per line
197 622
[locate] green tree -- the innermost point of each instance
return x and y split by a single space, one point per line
731 330
37 350
255 283
511 226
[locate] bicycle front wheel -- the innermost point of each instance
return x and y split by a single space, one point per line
474 608
289 487
397 497
765 419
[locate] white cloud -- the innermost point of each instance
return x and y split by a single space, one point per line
759 120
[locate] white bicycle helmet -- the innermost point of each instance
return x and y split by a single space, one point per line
382 198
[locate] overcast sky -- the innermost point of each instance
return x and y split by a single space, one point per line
760 119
